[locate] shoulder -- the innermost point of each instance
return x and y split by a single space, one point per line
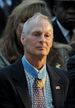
3 61
11 70
56 72
5 71
59 76
61 73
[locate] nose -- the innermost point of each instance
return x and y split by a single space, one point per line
42 37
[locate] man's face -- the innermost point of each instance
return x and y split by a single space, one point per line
65 11
39 39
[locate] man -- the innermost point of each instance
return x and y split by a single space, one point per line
17 80
64 21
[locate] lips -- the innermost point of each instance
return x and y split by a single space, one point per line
42 47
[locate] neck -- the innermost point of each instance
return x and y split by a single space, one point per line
37 62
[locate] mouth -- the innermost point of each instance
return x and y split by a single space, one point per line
41 48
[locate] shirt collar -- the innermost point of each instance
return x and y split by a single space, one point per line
32 70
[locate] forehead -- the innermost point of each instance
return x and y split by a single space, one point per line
40 23
41 26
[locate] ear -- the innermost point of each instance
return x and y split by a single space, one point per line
23 40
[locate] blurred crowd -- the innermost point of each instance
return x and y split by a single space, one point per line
6 6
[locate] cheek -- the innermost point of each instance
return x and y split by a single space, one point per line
30 43
50 42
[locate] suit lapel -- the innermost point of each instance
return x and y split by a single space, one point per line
21 85
57 88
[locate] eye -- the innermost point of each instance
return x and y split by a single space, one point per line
47 35
36 34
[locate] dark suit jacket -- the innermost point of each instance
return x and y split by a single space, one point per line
58 36
71 75
14 89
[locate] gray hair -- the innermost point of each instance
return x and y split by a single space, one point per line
37 17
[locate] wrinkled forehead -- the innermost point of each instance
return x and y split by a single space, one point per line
35 21
37 18
39 23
